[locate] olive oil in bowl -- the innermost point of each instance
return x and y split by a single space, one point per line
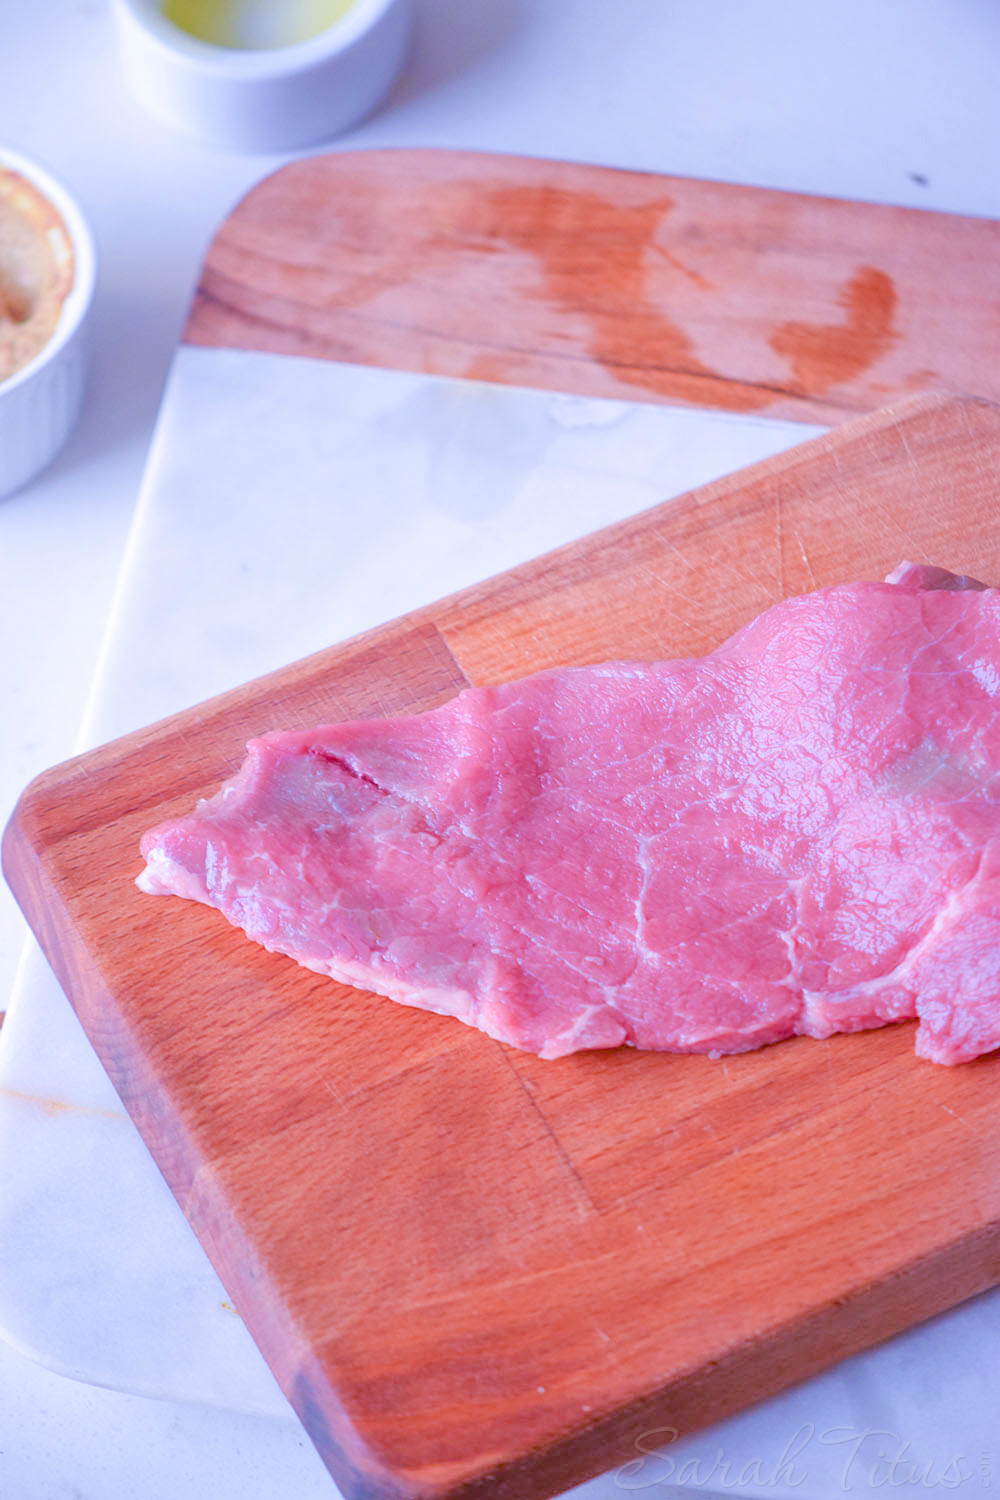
255 25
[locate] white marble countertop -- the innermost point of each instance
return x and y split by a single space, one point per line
893 101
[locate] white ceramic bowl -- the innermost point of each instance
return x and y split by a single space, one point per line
40 402
269 99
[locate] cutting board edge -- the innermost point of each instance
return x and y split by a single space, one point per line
770 1365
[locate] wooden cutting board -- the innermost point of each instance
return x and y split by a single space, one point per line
475 1273
606 283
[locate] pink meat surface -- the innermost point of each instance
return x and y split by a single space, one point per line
797 834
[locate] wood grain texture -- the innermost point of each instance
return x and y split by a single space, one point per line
476 1273
606 283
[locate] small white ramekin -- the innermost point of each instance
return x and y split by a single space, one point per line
40 402
274 99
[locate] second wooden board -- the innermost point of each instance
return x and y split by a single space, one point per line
606 283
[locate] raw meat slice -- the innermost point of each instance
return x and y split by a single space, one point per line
799 833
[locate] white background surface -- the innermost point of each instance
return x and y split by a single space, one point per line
893 101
